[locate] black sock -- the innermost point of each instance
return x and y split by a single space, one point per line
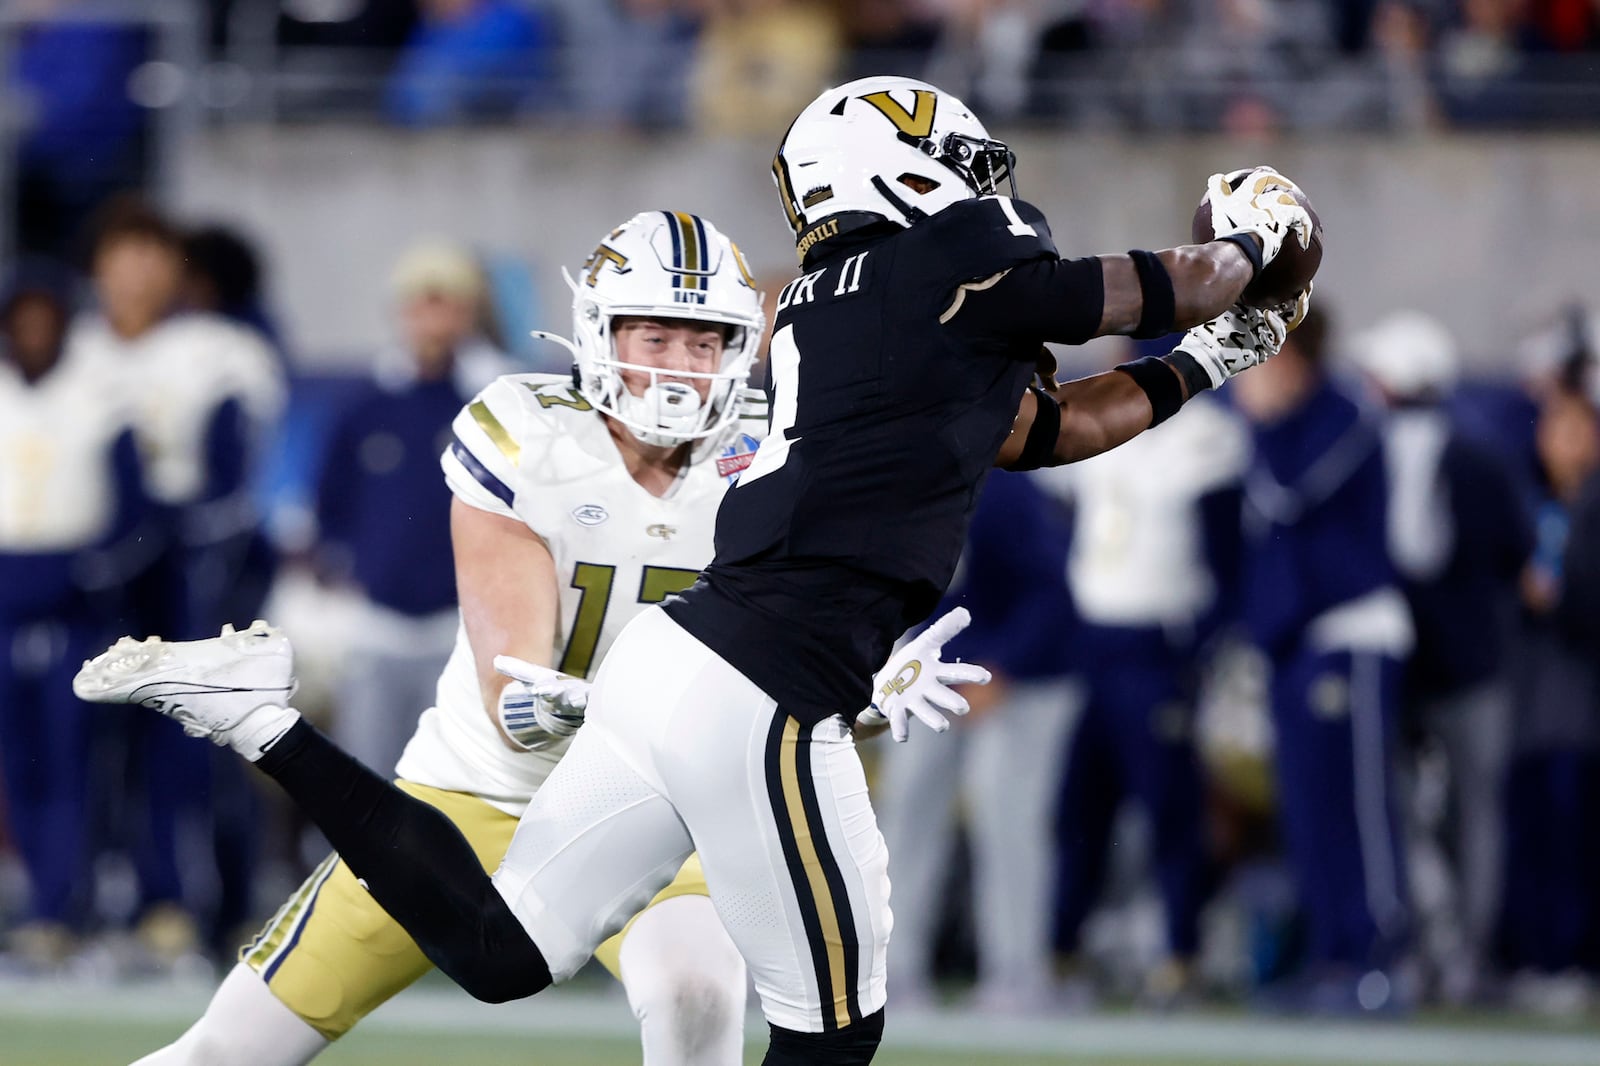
854 1045
416 864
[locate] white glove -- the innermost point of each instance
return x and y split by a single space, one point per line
540 705
1257 201
914 681
1239 338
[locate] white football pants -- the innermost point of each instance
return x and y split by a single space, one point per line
680 752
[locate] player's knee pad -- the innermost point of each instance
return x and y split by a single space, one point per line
685 979
699 997
853 1045
695 1015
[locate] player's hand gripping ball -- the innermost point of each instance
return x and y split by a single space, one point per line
1263 202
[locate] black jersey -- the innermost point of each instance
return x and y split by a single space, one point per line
896 368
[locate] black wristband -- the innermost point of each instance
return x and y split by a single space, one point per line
1159 383
1159 307
1189 368
1040 447
1252 250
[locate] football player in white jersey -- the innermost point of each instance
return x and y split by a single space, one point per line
578 501
575 504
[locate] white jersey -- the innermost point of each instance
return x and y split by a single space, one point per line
56 491
530 447
176 375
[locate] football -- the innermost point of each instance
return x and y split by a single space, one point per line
1289 272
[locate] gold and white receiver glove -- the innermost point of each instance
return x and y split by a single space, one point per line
1259 201
1239 338
540 705
915 682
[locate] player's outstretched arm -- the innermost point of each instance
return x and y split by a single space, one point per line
1205 279
1150 294
1077 420
1095 414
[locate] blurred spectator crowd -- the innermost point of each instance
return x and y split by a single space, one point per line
148 430
743 66
102 91
1314 717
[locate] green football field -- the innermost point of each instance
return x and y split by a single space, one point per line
112 1025
36 1043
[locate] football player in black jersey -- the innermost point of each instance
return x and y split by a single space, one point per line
902 369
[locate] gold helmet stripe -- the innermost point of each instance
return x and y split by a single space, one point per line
780 171
693 249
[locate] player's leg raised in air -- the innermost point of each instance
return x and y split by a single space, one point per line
793 853
331 954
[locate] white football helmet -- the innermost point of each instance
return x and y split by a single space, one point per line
663 265
846 153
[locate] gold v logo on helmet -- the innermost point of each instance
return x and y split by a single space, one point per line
917 123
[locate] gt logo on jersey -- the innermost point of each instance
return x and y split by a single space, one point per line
735 458
660 529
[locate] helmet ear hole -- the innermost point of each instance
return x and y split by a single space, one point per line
917 183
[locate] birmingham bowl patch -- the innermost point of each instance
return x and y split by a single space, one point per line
740 454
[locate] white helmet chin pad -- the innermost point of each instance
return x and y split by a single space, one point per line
673 268
671 408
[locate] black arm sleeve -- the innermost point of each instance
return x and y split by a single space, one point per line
1057 300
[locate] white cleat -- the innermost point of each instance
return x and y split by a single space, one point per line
231 689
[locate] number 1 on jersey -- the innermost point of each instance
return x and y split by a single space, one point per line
594 581
783 357
1016 227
